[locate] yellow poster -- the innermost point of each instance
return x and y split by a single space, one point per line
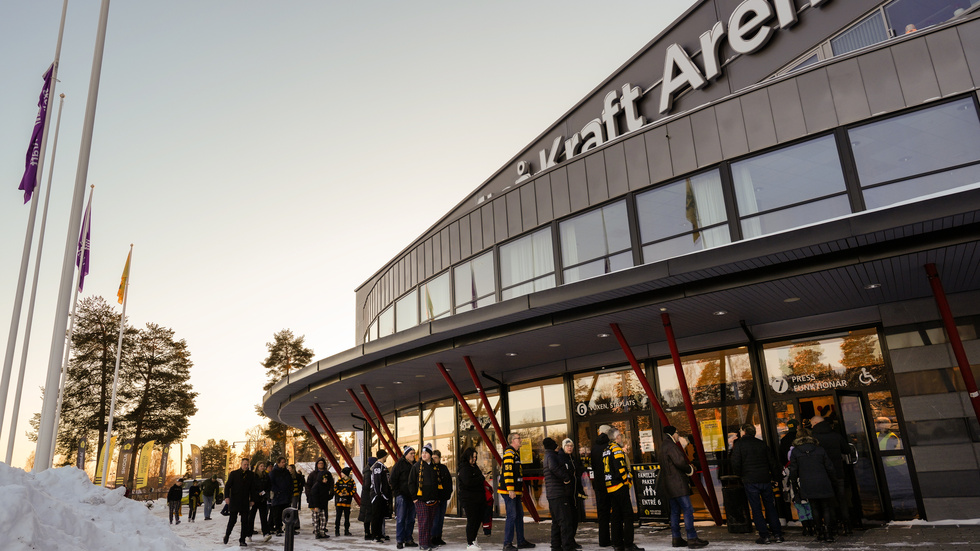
526 452
143 470
98 466
711 435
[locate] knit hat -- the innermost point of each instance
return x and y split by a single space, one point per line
407 449
382 454
792 424
427 449
669 430
345 470
550 444
566 442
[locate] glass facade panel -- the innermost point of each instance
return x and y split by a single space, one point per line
407 311
435 298
474 283
539 403
922 141
527 264
386 322
595 235
669 248
712 377
850 360
794 217
788 176
865 33
609 392
407 429
908 16
682 208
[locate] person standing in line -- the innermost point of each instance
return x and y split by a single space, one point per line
209 490
559 487
239 497
833 442
320 514
575 468
404 503
260 507
424 485
599 486
785 444
511 487
281 483
619 483
174 496
193 501
752 461
380 496
365 513
810 466
299 483
344 491
445 494
471 495
675 484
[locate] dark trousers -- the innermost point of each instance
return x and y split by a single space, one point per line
261 510
378 519
233 518
824 514
843 502
474 518
342 512
275 517
602 513
760 494
562 535
621 517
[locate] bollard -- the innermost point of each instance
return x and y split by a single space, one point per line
290 518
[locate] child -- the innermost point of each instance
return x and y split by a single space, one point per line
343 494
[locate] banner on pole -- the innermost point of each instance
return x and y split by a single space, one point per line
195 461
143 469
84 245
29 181
163 466
106 449
80 462
122 282
122 464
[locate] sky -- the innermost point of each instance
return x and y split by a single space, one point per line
266 158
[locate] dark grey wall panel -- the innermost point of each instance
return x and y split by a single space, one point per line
915 71
658 154
486 212
465 243
595 176
578 186
454 251
787 110
413 267
950 484
426 259
731 128
881 82
542 198
707 141
515 218
444 241
529 213
637 169
757 114
970 39
681 140
847 88
562 204
818 101
617 179
500 232
476 231
949 62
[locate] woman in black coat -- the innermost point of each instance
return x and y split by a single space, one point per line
365 513
811 468
471 493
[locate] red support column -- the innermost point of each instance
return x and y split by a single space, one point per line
335 438
639 374
954 338
328 454
370 422
692 419
323 445
483 398
525 497
381 419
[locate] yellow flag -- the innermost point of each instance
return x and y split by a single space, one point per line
125 276
98 468
143 471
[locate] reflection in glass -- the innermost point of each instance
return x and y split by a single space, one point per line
537 404
908 16
865 33
795 217
435 297
852 417
852 360
610 392
711 378
889 194
527 264
598 234
682 217
407 311
407 429
474 283
386 322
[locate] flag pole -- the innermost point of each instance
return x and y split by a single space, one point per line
30 308
115 376
8 359
48 427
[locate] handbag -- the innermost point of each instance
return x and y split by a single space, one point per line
224 510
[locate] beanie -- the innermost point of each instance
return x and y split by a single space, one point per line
670 430
382 454
407 449
550 444
566 442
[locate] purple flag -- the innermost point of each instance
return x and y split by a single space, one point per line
29 181
82 254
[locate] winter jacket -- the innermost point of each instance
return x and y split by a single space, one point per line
299 484
809 463
281 484
557 479
615 468
317 476
511 473
471 489
786 444
321 492
263 486
675 471
193 496
240 490
176 493
380 488
344 491
364 515
399 478
833 443
752 461
210 488
576 470
424 482
596 462
445 482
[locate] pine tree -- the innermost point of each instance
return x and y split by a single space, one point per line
286 352
213 455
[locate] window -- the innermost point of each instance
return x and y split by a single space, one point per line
908 16
850 360
918 153
474 283
596 243
865 33
682 217
435 297
386 322
790 187
537 411
372 332
407 311
527 265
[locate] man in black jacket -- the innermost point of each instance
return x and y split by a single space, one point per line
320 514
239 497
380 496
445 494
404 502
560 490
174 497
833 442
599 486
752 461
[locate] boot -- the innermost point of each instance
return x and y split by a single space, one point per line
678 542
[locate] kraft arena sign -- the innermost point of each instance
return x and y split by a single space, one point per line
748 31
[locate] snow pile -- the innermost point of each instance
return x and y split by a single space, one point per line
61 510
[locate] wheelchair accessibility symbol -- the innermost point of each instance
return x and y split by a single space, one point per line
865 377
